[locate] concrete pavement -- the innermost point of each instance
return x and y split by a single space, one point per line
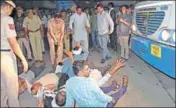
147 86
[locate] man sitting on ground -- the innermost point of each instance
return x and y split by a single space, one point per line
87 93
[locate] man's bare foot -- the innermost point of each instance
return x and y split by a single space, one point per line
114 82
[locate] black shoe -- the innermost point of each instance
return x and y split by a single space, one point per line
107 58
103 61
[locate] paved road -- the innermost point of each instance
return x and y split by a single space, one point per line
147 86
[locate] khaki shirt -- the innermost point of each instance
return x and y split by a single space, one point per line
7 30
56 28
32 24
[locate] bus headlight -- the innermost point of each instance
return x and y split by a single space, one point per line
174 36
134 28
165 35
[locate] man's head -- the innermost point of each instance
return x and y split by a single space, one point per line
130 9
110 5
7 6
81 69
124 9
61 98
86 10
19 11
30 13
100 8
57 17
79 10
22 85
63 13
35 11
35 87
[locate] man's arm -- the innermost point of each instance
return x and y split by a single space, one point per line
62 31
11 36
117 65
69 99
71 22
111 23
50 30
128 22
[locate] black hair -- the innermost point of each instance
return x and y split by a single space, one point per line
78 66
60 103
111 4
131 6
126 6
58 15
78 7
99 5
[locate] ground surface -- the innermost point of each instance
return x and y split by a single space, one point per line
147 86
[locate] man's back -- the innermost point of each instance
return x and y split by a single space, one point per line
85 92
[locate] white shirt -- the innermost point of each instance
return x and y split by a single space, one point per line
96 75
7 30
80 22
45 21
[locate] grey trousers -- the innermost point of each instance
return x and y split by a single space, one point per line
9 80
103 41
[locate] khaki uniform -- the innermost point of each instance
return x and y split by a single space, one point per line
33 26
57 31
21 36
9 78
67 35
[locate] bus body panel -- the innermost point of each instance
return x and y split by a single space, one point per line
166 64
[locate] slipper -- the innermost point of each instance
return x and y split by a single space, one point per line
125 80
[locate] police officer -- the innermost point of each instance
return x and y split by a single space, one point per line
34 29
22 39
9 48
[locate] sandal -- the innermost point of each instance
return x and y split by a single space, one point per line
125 80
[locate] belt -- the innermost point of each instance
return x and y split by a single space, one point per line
5 50
33 31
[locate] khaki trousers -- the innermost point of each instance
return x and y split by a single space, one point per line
53 53
24 42
9 80
124 46
67 42
36 43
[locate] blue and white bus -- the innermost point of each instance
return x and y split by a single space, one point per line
153 36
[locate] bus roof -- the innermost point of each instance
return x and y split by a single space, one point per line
152 3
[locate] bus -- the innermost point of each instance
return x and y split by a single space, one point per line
153 34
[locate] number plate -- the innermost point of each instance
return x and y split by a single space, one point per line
156 50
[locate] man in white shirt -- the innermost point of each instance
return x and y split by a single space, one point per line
81 28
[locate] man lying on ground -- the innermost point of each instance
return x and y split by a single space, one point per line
58 99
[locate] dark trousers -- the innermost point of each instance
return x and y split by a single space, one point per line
116 95
113 40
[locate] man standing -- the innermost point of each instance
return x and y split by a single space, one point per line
104 22
81 28
22 40
113 37
9 48
124 30
56 27
93 23
34 29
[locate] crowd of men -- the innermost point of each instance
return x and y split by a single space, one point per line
70 30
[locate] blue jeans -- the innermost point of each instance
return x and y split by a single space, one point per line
103 41
94 34
67 66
